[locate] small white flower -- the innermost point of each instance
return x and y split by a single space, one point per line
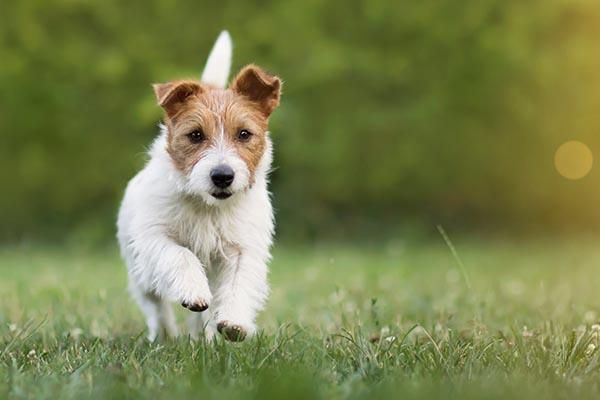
75 333
390 339
526 333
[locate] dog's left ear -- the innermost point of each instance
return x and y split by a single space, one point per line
258 86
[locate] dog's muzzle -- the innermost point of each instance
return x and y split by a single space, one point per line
222 177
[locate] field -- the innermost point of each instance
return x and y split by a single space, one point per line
495 319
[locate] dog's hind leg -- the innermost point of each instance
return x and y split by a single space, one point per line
159 315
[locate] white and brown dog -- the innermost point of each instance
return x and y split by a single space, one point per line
195 226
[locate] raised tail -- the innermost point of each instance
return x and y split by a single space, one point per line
216 70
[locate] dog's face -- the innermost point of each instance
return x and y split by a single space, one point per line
217 137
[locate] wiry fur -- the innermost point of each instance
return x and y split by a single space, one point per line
183 245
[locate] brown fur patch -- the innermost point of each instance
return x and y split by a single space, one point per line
258 86
172 95
191 105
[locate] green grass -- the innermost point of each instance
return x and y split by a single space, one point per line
342 322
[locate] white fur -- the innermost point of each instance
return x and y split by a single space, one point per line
198 182
218 64
181 244
179 248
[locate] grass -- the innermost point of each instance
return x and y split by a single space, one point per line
401 320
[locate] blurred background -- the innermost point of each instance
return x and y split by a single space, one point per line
396 116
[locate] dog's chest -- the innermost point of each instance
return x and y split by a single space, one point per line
209 235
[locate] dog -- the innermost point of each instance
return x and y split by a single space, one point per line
195 225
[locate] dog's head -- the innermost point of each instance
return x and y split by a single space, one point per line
216 137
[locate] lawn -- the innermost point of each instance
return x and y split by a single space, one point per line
403 319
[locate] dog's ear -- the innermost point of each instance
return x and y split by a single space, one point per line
258 86
172 95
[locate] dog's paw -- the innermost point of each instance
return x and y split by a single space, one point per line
232 332
198 305
192 291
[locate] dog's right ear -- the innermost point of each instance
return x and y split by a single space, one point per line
172 95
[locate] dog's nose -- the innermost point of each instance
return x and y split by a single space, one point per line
222 176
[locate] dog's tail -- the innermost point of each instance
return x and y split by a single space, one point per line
216 70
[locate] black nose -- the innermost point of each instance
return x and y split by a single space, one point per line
222 176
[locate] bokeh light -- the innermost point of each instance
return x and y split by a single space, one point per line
573 160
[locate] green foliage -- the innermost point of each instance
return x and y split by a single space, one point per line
429 109
342 323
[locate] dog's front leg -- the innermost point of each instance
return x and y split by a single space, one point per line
240 292
171 271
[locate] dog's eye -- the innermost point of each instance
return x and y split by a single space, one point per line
244 135
196 136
